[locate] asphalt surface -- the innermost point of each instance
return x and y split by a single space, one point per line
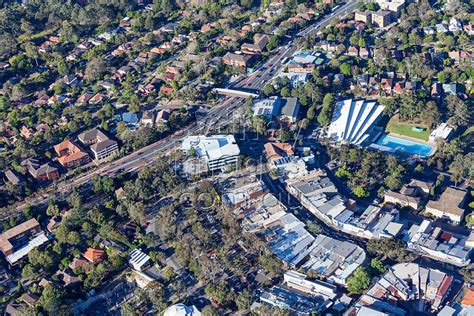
340 12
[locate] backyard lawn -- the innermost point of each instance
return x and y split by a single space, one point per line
406 129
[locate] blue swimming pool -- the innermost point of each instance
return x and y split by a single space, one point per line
395 144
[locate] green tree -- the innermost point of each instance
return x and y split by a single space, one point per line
324 117
361 192
259 124
283 135
269 89
314 228
358 281
169 273
345 69
52 210
217 291
311 114
74 238
377 266
51 298
244 300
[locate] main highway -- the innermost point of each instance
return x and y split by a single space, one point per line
220 114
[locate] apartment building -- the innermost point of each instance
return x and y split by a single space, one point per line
382 18
40 171
18 241
411 195
363 16
237 60
450 205
100 144
70 155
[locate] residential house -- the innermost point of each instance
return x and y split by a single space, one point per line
149 88
352 51
459 56
162 117
70 155
29 299
449 205
147 119
468 28
454 25
53 223
4 66
84 99
68 280
441 28
327 46
14 178
78 263
364 53
386 85
166 90
130 118
97 98
26 132
450 88
94 255
138 260
296 79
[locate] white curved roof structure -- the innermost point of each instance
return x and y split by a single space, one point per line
352 120
181 310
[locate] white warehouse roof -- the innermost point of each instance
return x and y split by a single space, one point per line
353 120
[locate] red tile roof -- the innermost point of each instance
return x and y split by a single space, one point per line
468 299
94 255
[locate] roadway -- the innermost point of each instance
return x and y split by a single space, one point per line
221 114
340 12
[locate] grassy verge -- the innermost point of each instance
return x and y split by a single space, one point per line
406 129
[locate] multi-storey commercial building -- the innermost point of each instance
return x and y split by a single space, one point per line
219 151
